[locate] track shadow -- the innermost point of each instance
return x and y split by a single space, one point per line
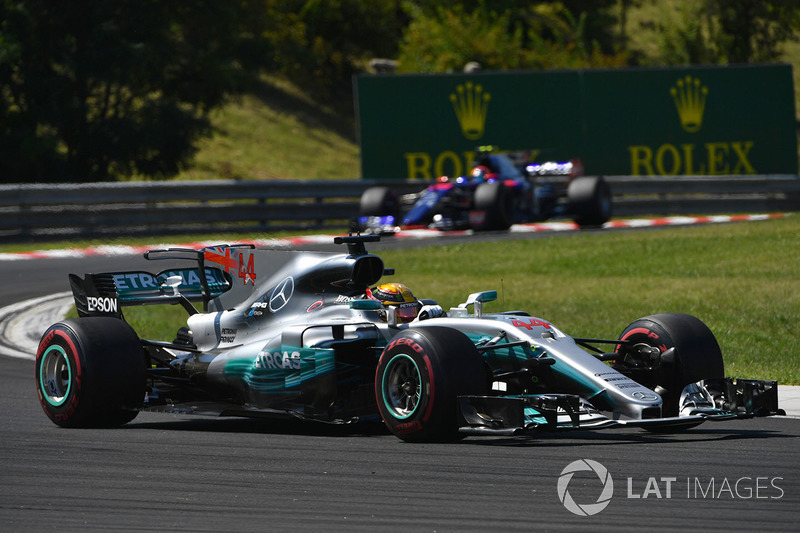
627 436
266 426
569 438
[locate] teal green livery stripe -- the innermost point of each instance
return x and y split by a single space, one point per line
279 371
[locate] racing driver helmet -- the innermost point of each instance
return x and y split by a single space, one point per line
398 296
480 174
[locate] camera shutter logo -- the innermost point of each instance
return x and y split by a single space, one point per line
587 509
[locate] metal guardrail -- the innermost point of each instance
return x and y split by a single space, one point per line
704 195
94 210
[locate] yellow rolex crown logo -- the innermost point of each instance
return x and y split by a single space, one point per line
470 104
690 100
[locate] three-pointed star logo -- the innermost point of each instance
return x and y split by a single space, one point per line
281 294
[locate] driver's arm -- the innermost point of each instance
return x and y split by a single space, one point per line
430 311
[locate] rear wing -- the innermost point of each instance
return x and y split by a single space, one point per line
105 294
571 169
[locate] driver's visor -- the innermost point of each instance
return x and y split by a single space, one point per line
407 312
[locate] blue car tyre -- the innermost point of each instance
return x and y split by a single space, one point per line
590 201
495 199
379 201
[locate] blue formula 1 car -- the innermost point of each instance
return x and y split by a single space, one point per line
496 194
309 335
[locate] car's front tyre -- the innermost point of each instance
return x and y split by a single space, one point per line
420 375
696 355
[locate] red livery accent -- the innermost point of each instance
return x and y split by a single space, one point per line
530 323
233 265
247 273
316 305
229 264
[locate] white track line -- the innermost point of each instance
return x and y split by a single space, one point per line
22 324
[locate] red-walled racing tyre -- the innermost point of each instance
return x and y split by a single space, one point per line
697 355
90 372
420 374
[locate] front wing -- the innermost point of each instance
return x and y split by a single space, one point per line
525 414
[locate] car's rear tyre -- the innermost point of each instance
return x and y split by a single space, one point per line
495 199
590 201
90 372
378 202
697 355
420 375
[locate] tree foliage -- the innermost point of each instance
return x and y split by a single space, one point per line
320 45
103 90
505 35
724 32
95 90
98 90
750 31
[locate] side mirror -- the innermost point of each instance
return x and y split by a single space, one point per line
477 299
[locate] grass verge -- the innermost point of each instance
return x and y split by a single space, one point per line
276 132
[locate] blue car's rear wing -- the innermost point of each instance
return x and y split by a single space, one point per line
106 293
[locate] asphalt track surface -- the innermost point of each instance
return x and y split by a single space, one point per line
170 473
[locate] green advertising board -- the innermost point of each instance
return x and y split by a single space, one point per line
630 122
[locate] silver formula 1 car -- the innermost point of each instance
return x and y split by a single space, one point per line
287 333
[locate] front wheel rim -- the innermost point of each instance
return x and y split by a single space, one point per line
401 386
55 375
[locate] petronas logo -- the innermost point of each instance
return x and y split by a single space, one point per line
470 104
690 100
